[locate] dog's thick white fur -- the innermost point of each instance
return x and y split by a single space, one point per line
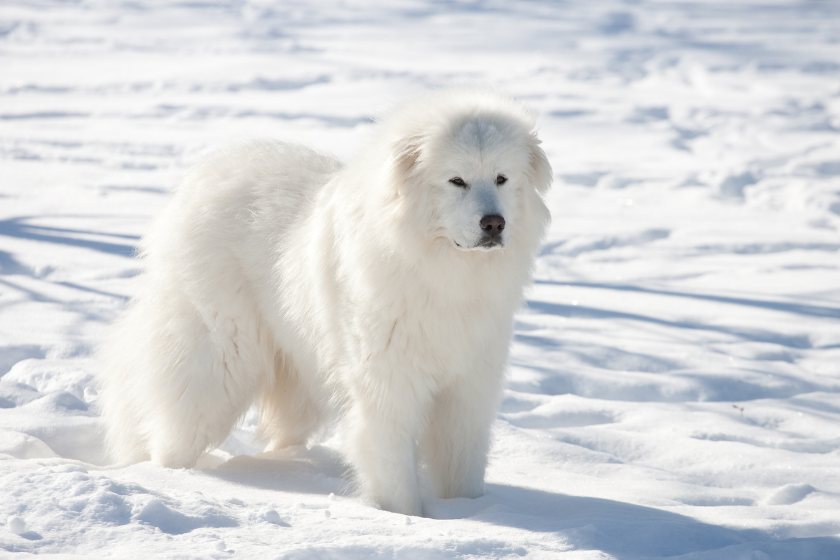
380 293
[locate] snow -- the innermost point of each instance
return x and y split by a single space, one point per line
674 382
16 525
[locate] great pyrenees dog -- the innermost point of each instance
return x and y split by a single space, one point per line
378 293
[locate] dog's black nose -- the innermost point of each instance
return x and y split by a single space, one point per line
492 224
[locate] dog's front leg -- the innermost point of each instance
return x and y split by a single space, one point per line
457 439
383 424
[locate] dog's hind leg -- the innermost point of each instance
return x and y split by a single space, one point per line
288 413
180 373
224 360
228 361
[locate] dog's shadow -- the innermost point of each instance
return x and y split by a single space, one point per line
585 523
617 528
316 470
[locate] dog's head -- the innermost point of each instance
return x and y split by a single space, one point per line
468 165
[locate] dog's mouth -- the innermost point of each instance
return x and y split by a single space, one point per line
490 242
486 243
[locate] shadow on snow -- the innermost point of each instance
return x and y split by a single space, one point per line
786 307
17 227
621 529
583 312
617 528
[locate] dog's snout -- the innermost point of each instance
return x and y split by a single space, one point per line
492 224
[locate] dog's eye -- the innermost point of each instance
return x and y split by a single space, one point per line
457 181
501 180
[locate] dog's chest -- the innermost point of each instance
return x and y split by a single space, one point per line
436 340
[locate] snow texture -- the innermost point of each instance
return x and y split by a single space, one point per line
674 377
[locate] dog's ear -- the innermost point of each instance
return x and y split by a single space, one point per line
540 173
406 154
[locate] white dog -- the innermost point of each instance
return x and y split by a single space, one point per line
381 292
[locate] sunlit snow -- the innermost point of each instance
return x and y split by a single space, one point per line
674 381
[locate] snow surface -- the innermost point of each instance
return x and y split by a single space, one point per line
675 375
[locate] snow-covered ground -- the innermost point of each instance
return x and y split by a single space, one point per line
675 376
